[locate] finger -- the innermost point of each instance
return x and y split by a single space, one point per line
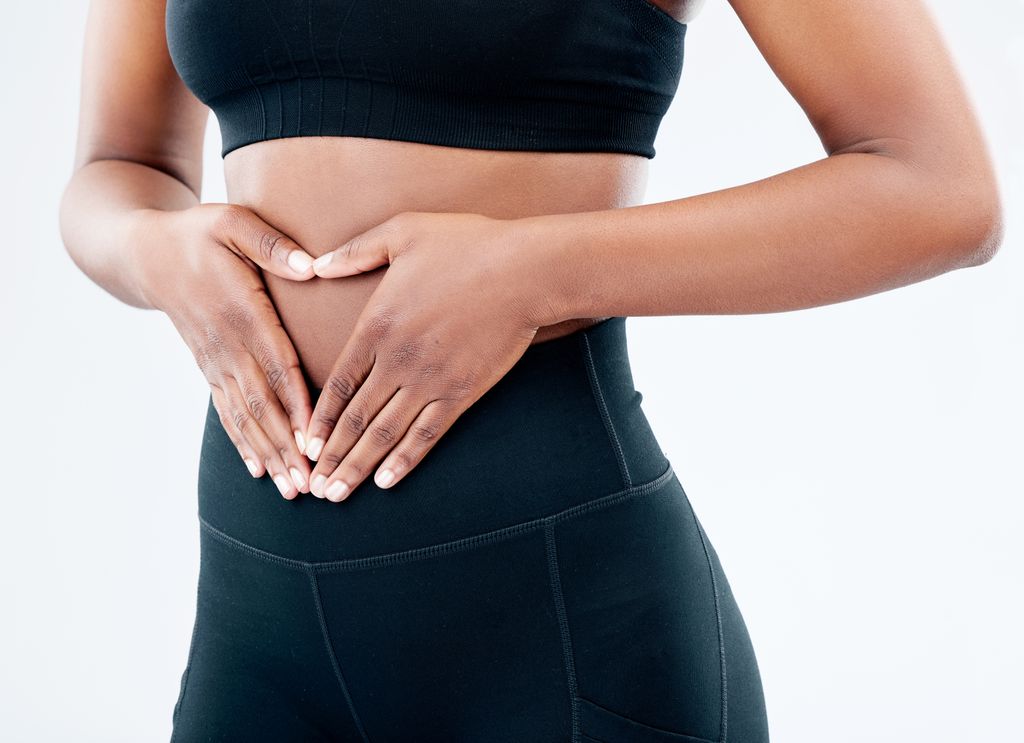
242 231
259 441
353 366
266 410
371 397
383 432
422 434
364 252
252 460
275 354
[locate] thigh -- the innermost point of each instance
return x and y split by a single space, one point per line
659 648
258 667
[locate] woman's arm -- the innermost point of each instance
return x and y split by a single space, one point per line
140 139
907 191
131 220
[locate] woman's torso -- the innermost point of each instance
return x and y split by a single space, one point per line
323 190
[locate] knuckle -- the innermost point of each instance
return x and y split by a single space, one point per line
351 247
330 460
325 421
239 419
426 431
354 421
276 373
384 432
257 405
357 471
268 242
404 458
341 388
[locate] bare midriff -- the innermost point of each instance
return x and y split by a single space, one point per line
321 191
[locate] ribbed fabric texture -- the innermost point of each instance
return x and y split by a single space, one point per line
544 75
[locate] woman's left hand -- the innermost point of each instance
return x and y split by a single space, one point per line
454 311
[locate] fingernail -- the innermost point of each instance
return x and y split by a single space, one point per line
337 491
300 261
323 261
317 486
252 467
282 484
297 478
314 447
300 441
385 477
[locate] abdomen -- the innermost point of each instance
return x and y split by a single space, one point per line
323 191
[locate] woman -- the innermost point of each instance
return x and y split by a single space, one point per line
412 310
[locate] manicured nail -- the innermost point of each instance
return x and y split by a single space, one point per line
322 262
252 467
337 491
282 483
300 261
317 486
385 477
300 441
314 447
297 478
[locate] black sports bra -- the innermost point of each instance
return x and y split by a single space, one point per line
551 75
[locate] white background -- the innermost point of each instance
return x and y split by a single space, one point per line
857 466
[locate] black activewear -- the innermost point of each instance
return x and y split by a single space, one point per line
551 75
539 577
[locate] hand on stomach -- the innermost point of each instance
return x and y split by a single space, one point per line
323 191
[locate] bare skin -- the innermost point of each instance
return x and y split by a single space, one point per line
439 266
322 192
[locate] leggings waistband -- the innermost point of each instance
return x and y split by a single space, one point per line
563 428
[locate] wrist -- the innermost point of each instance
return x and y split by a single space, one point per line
542 255
148 240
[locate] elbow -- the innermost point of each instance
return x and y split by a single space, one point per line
972 219
985 233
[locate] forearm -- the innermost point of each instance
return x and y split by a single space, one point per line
842 227
104 225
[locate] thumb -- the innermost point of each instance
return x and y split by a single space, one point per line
362 253
244 232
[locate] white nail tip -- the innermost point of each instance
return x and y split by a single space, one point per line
282 484
314 447
299 261
322 262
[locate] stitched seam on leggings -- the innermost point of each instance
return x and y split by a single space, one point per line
718 619
563 625
602 406
456 545
330 653
680 737
191 653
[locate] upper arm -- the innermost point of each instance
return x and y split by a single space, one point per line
134 105
874 76
871 75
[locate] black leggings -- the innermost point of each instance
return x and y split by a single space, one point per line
539 577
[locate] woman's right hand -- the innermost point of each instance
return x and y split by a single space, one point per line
199 266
